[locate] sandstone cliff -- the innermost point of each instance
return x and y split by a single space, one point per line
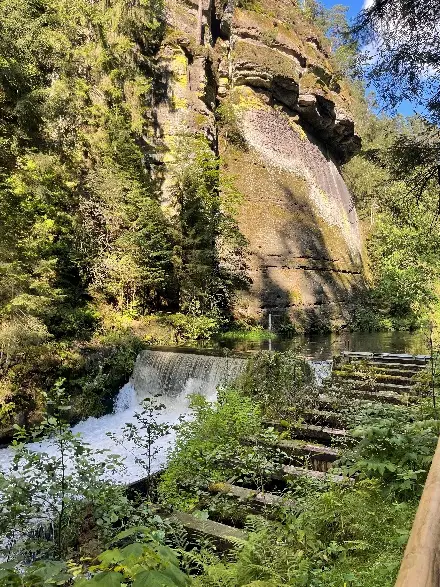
287 130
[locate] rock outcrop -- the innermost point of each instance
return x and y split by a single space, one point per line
292 112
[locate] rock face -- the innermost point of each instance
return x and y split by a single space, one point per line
291 110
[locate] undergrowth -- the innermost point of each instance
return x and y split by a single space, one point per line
324 533
340 537
351 533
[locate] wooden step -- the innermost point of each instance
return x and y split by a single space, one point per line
259 498
407 373
416 367
385 397
224 537
403 358
396 388
316 432
358 384
324 417
325 421
372 378
297 448
292 471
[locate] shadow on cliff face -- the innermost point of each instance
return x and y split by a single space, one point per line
307 264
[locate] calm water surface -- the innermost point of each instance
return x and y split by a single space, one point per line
324 347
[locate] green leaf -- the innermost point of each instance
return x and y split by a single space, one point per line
135 550
167 554
111 556
153 579
130 531
176 575
9 577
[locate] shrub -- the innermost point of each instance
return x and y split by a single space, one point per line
188 327
344 536
221 442
395 447
230 124
279 381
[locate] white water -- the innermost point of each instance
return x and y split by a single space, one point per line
172 375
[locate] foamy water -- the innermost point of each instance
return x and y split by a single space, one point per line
173 375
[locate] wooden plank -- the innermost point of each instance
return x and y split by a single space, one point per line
222 535
300 472
314 431
244 494
316 451
416 367
385 357
421 562
388 397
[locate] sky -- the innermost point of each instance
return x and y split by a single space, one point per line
354 5
406 108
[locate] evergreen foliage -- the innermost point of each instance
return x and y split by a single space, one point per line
79 212
209 246
86 246
404 64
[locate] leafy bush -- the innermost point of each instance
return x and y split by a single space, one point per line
188 327
46 496
229 122
18 336
74 322
279 381
93 372
396 447
344 536
225 439
144 563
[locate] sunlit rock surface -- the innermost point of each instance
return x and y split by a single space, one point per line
292 110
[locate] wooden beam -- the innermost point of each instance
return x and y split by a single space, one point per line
421 562
244 494
223 536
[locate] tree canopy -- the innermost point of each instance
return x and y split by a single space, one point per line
403 39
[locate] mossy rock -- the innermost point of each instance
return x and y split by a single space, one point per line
269 60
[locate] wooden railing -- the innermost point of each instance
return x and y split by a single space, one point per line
421 562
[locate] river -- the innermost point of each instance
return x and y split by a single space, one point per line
174 373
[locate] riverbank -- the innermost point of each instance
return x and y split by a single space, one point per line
292 469
93 371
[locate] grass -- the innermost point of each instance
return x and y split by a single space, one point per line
253 335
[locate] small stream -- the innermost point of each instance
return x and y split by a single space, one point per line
173 375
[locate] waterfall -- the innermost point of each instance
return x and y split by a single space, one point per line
173 375
322 370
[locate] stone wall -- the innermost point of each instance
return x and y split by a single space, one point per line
291 111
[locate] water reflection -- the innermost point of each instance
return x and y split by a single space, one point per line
324 347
